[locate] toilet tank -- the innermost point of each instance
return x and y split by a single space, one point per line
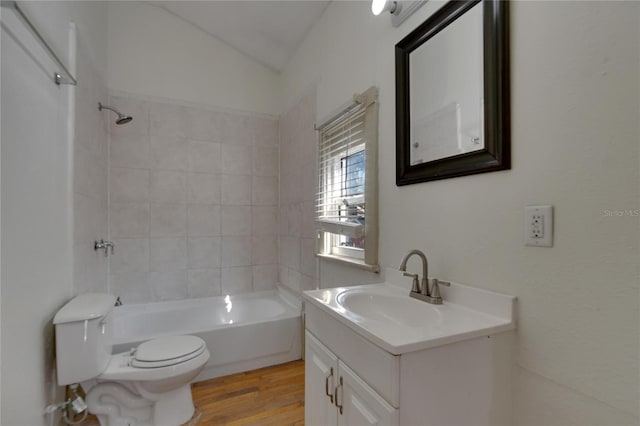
83 337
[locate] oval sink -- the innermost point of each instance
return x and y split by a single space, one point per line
400 310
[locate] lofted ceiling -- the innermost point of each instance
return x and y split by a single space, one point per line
267 31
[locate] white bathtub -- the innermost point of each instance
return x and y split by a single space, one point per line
243 332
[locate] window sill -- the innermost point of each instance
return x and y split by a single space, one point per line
358 263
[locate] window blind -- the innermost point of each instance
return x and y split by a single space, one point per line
341 200
347 197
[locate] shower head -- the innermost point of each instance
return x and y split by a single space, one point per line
122 119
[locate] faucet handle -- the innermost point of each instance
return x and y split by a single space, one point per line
415 287
435 288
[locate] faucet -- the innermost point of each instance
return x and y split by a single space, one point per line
422 292
104 245
425 268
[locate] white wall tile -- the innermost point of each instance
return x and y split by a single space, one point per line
203 157
237 280
130 255
307 282
167 254
307 216
236 159
167 220
236 220
167 153
204 253
308 256
283 275
265 161
236 190
203 220
265 220
265 190
294 281
129 185
265 132
131 287
295 219
204 282
235 129
265 277
182 199
129 150
283 219
204 188
236 251
169 285
167 187
129 220
203 125
264 250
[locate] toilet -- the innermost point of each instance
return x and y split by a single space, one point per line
146 386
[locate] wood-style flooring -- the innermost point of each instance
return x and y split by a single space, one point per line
268 396
271 396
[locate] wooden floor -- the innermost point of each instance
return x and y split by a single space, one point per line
269 396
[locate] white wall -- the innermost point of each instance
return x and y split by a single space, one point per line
154 53
37 192
575 108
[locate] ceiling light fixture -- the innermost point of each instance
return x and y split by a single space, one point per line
379 6
400 10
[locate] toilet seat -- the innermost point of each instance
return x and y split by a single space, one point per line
167 351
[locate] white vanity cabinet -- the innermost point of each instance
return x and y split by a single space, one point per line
465 380
335 395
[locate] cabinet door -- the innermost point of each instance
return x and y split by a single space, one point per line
361 405
320 369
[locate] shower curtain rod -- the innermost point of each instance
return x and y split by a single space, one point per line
58 78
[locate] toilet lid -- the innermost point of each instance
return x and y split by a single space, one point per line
167 351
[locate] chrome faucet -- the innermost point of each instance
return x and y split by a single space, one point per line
104 245
417 288
421 291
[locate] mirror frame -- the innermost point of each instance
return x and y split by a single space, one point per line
496 154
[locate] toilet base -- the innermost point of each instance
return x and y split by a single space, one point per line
117 404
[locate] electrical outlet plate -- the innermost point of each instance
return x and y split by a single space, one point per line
538 226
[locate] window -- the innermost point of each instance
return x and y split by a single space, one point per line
347 199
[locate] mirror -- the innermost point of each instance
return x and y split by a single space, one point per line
452 93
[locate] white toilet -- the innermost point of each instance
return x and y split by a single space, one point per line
148 386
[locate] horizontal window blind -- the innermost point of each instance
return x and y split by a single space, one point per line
341 201
347 198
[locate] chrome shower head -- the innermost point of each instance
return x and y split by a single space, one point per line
122 119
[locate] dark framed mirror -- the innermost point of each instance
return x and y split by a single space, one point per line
452 93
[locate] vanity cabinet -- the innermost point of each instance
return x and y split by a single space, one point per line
459 383
335 395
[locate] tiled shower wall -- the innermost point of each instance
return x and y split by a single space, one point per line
193 208
297 196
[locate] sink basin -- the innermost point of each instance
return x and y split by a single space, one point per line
385 314
392 309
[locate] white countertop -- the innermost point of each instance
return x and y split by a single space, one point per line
386 315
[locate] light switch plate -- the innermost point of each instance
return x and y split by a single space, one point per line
538 226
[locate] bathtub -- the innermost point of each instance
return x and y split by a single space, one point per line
242 332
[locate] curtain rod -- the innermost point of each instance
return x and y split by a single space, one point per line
68 78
